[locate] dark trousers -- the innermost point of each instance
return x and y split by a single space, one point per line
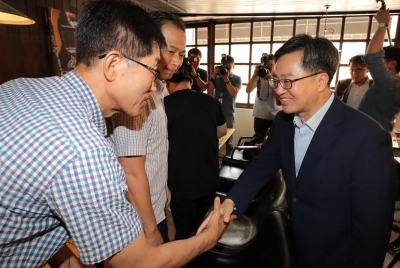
230 123
188 214
163 229
261 127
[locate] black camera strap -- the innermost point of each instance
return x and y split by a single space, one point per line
259 90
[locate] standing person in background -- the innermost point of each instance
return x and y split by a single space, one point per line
199 76
352 90
60 177
225 86
141 142
382 100
195 122
265 106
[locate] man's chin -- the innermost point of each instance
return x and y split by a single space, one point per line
167 74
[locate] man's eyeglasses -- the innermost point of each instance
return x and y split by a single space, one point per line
155 71
286 83
357 70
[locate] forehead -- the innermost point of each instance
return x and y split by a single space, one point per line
174 37
289 64
357 65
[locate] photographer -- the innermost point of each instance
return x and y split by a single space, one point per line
265 106
225 86
198 75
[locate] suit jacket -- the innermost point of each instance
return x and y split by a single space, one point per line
341 203
342 88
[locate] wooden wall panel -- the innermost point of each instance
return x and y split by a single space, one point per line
6 72
24 50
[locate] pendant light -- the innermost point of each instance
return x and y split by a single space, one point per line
9 15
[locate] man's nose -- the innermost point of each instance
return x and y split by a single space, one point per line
279 90
177 60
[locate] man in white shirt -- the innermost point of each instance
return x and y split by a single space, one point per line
265 106
352 90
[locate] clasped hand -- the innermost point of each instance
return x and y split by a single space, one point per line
222 212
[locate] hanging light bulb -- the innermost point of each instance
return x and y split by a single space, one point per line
9 15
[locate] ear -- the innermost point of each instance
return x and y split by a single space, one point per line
323 82
392 65
111 64
191 82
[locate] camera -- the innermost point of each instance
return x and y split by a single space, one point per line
189 60
264 68
224 68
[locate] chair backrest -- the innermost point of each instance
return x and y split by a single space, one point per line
229 171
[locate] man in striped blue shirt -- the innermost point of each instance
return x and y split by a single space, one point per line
59 176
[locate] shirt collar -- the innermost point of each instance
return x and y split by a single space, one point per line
366 82
88 98
314 121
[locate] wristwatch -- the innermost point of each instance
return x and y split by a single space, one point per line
382 24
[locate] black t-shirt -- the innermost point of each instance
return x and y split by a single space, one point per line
203 75
193 166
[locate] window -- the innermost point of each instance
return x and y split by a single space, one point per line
331 28
247 40
241 32
258 50
283 30
221 33
262 31
198 37
356 28
307 26
202 36
350 49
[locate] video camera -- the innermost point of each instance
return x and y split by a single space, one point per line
189 60
224 68
264 68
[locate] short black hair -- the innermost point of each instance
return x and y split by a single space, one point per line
320 55
357 59
194 51
115 24
182 75
393 53
230 59
164 17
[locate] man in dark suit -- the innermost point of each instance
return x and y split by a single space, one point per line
337 164
352 90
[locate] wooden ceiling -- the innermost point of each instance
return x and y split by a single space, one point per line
203 10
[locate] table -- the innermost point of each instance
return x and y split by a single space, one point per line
223 139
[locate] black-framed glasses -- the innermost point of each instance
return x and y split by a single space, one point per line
286 83
357 70
155 71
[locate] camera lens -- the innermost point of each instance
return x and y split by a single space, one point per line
262 71
223 70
